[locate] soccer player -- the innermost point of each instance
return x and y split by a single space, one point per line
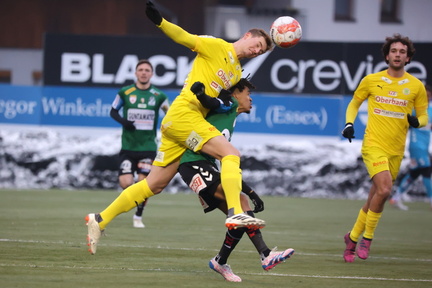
201 174
141 103
217 65
392 94
420 164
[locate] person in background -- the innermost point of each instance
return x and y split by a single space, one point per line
141 103
392 95
200 172
420 163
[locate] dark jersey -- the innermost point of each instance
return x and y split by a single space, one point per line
142 107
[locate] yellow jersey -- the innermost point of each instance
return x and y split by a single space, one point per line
389 101
216 66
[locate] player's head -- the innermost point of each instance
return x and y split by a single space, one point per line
395 39
143 61
241 91
143 73
255 32
255 42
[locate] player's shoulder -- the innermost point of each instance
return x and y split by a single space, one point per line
413 79
211 40
126 90
156 91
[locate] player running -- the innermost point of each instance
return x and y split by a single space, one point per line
392 94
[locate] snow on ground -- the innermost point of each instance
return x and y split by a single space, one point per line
56 157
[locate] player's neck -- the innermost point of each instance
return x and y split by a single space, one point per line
395 73
142 86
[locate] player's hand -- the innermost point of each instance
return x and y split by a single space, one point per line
129 125
198 88
153 14
225 96
348 131
256 200
413 121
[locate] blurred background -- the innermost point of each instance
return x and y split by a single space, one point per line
55 126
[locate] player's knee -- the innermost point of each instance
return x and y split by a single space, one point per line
384 191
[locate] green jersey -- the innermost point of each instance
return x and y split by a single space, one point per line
142 107
224 122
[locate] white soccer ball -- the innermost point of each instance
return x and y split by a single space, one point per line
285 32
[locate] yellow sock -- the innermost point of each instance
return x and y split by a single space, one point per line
128 199
231 182
359 226
371 224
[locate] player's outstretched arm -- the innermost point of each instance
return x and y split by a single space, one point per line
173 31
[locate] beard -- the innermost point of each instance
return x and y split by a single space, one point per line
144 83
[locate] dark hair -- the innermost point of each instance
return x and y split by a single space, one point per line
144 61
261 33
242 84
398 38
428 87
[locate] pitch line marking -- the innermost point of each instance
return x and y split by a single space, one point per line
207 271
198 248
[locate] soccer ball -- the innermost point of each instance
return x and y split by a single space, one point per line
285 32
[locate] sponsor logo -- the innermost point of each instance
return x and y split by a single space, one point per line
197 183
404 81
193 140
391 101
59 106
390 114
160 156
324 75
225 78
132 99
279 115
11 108
387 80
231 57
375 164
152 101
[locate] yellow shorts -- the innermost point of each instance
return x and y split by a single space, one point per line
182 128
377 160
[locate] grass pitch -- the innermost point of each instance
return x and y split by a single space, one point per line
42 244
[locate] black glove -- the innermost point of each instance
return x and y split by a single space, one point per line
129 125
256 200
225 96
348 131
198 89
413 121
153 14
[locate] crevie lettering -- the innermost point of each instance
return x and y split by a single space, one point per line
325 75
391 101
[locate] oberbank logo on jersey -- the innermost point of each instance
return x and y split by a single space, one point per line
391 101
